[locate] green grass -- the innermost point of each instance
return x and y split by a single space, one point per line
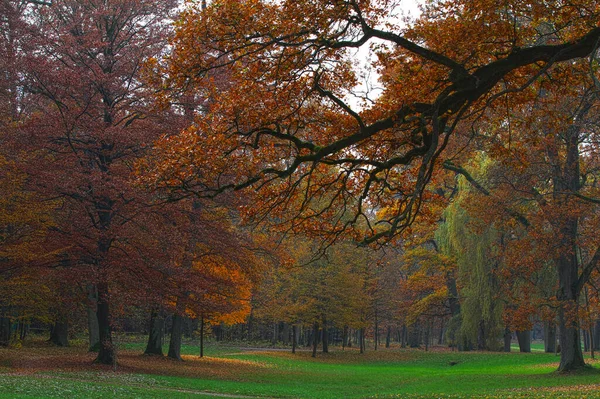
390 373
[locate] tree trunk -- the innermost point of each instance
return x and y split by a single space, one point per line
376 332
294 337
275 333
549 337
441 334
571 357
414 336
507 339
24 330
155 333
566 179
315 340
59 333
92 317
5 324
388 337
176 335
106 351
285 334
361 337
250 329
590 330
403 338
349 343
202 336
325 337
481 336
524 339
597 335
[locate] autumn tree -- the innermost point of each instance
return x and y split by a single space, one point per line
317 293
92 119
291 75
545 180
213 272
475 246
25 221
287 113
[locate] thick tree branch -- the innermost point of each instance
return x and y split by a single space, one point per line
462 171
587 270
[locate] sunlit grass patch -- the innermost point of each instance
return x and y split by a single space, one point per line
337 356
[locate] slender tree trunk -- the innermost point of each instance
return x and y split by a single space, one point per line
250 329
597 335
441 334
481 338
590 331
507 339
427 335
315 340
524 339
294 337
5 324
24 330
361 338
376 332
155 333
388 336
549 337
176 335
202 336
92 317
402 333
325 337
106 351
285 334
275 333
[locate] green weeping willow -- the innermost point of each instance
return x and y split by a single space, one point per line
475 247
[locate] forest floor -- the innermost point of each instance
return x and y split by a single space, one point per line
38 370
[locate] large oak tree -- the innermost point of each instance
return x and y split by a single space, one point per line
287 115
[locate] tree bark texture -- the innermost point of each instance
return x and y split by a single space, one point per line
294 337
106 351
92 318
549 337
388 337
176 335
59 334
155 334
315 340
524 339
507 339
202 336
325 337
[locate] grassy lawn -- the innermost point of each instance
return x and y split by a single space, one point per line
46 372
